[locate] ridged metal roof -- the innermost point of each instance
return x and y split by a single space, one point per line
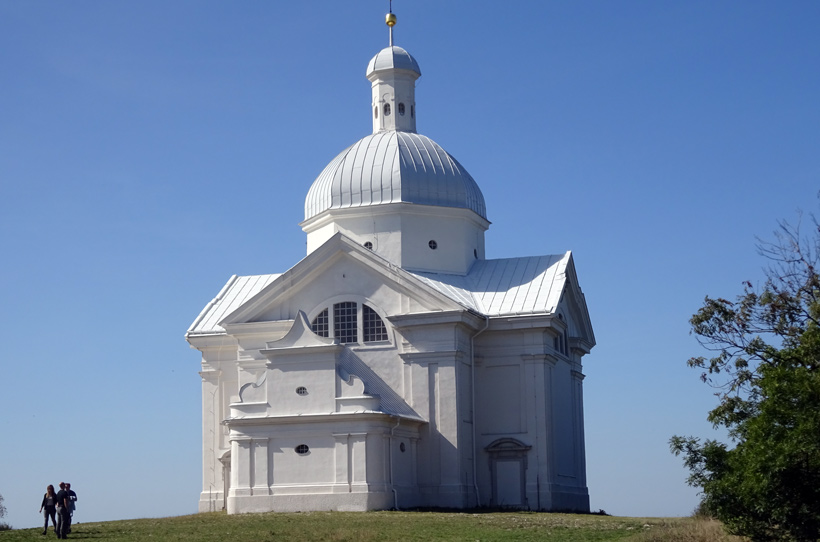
391 167
506 286
492 287
393 58
232 296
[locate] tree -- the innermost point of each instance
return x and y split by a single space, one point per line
766 370
3 526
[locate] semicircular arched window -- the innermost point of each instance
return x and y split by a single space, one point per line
348 321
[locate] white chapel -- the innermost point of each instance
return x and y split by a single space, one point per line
395 366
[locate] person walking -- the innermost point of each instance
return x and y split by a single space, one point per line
49 507
72 498
63 515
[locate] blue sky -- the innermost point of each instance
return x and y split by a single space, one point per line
149 150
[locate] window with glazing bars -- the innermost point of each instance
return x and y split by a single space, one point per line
372 326
320 324
344 322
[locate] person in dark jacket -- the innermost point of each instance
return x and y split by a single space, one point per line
72 498
63 512
49 507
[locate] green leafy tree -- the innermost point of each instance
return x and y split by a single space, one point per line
765 366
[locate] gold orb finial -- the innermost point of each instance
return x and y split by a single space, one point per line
390 19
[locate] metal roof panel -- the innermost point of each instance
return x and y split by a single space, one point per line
235 292
530 285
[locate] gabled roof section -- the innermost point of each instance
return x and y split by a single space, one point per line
256 301
235 292
518 287
508 286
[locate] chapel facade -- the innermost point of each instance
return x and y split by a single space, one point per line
395 366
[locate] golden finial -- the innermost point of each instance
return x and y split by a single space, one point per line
390 20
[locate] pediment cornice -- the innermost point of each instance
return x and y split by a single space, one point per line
320 260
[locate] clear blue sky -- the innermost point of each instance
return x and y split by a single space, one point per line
149 150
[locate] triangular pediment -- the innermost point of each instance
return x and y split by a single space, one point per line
339 268
573 303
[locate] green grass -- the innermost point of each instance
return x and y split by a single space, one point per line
381 526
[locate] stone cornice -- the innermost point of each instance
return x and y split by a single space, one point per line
259 328
390 210
273 354
539 358
432 357
523 321
210 340
332 417
577 343
464 317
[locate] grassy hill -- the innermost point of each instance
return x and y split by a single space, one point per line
381 526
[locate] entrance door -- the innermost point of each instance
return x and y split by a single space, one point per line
508 467
508 483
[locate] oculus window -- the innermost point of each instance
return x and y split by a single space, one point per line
350 322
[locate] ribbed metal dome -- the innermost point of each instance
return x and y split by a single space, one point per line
392 167
393 58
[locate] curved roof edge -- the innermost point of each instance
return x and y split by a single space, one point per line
393 58
394 167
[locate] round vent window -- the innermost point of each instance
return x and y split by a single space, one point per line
402 447
432 244
368 245
302 449
301 390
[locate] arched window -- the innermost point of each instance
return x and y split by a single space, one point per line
320 324
373 328
401 109
345 322
376 112
412 111
349 320
386 110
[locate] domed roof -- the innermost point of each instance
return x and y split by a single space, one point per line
392 58
392 167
